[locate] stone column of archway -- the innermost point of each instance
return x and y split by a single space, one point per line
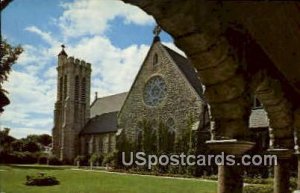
228 96
198 31
229 100
270 94
297 128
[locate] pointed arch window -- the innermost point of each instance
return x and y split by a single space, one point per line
76 88
155 59
83 89
65 86
60 89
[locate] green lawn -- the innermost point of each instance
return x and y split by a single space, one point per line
12 180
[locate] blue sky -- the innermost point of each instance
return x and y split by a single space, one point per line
110 34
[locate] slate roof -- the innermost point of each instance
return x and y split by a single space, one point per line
187 69
258 118
105 123
108 104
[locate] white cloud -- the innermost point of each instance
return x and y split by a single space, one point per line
114 66
32 101
35 59
92 17
24 131
46 36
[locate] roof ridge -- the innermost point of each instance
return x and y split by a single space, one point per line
105 114
165 46
112 95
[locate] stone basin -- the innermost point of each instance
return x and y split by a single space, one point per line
230 146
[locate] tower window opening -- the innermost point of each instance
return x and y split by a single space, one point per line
76 88
65 86
83 89
60 89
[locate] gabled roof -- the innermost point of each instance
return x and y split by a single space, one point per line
108 104
104 123
181 62
258 118
187 69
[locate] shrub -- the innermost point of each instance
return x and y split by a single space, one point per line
109 159
43 159
41 180
21 158
53 160
258 180
31 146
80 159
258 189
293 183
96 158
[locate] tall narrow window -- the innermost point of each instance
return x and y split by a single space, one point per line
83 89
155 59
60 89
138 138
76 88
101 145
65 86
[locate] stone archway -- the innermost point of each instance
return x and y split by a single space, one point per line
199 28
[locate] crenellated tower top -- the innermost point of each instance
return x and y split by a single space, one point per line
64 59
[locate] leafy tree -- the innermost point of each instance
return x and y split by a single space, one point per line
44 139
31 146
123 144
8 56
32 138
5 140
96 158
17 145
149 140
166 139
4 3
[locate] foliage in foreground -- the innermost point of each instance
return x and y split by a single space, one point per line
258 189
158 138
41 180
9 56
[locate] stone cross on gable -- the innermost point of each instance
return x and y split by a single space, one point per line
156 30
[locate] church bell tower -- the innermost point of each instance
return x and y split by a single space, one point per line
72 107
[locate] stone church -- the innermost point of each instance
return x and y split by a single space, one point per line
165 89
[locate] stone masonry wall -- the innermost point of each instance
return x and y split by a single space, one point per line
181 102
98 143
